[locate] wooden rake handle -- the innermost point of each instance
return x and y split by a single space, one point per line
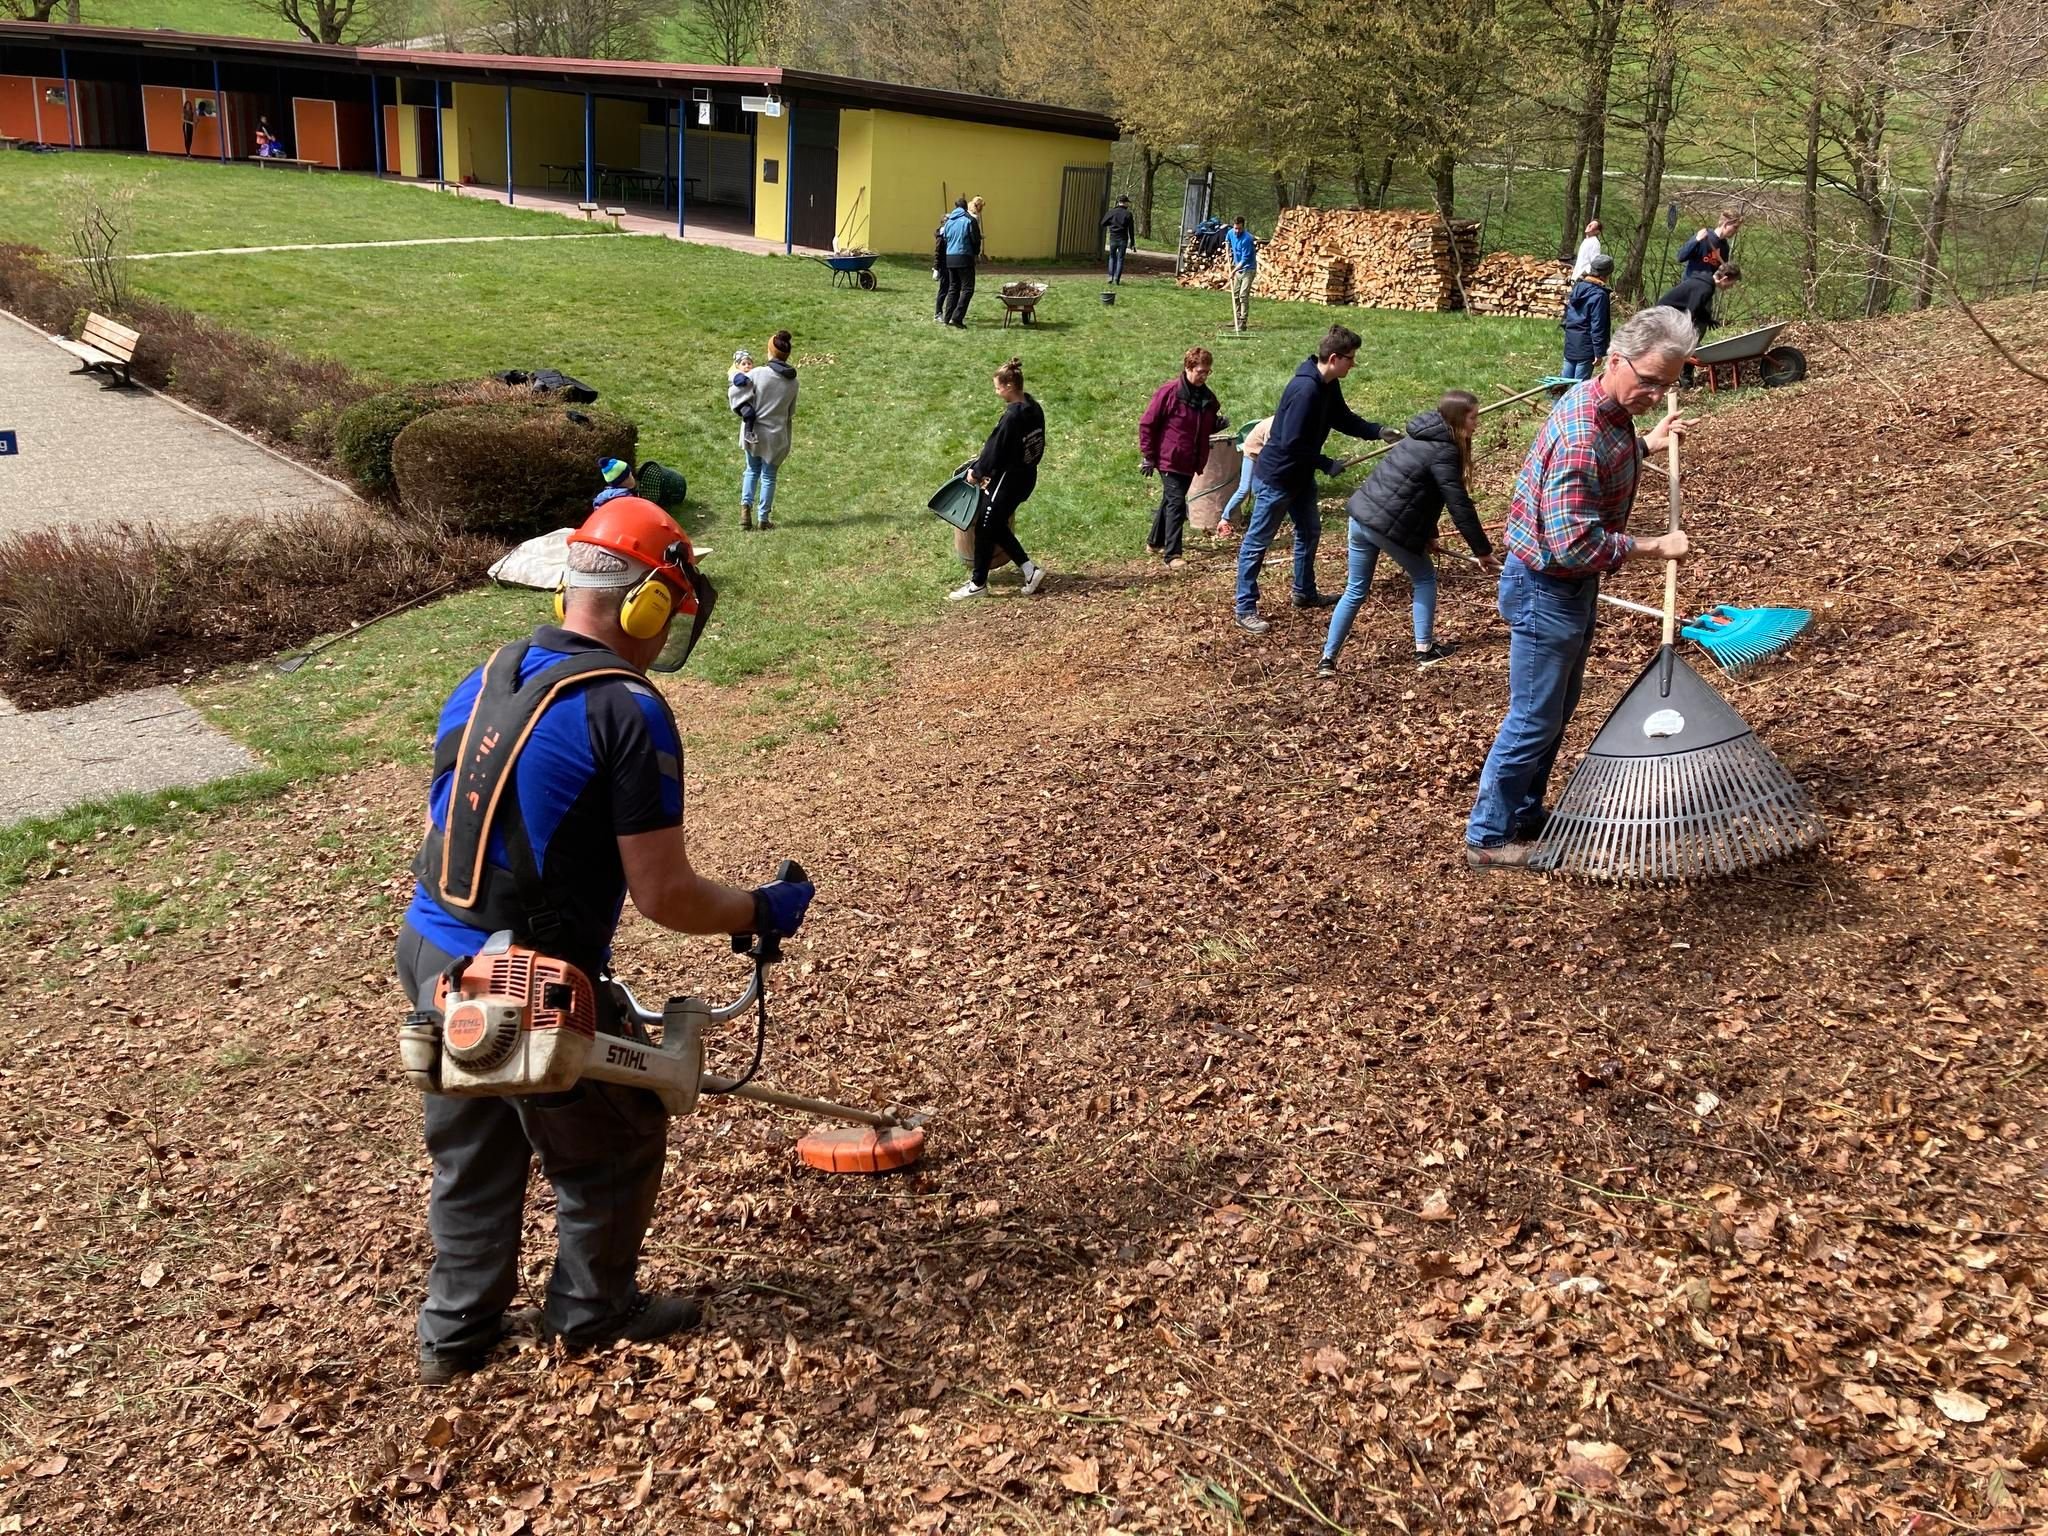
1671 566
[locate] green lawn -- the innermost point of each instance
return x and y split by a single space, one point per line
890 404
184 205
219 18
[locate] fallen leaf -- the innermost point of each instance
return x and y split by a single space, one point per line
152 1275
1437 1207
49 1466
1870 1400
1082 1477
438 1432
1595 1465
1961 1406
643 1487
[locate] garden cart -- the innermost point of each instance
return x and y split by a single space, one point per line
853 271
1021 299
1775 365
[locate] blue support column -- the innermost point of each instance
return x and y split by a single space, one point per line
789 182
511 191
70 108
376 128
589 148
683 162
440 146
220 114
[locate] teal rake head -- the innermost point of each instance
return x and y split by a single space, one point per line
1739 638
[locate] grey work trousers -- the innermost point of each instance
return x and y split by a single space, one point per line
601 1146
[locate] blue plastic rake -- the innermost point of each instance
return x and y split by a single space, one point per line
1739 638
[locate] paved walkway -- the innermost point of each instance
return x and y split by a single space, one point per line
89 456
126 743
378 245
94 455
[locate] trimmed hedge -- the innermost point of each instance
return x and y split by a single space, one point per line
364 435
244 380
510 469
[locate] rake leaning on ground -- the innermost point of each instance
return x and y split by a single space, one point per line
1675 785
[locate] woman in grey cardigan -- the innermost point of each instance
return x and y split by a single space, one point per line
765 432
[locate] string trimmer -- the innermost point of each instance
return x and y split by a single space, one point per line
512 1021
1675 785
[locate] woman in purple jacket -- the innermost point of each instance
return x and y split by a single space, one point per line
1173 440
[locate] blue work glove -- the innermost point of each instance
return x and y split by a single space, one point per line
779 906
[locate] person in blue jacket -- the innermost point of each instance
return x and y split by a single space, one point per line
1284 484
962 231
1588 320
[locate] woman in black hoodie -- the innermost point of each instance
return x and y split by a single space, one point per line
1395 513
1007 473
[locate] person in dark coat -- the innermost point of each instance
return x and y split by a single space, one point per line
1173 442
1007 473
1395 514
1284 484
1588 319
1693 297
1123 234
940 271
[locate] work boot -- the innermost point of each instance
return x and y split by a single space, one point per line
438 1368
763 523
1506 856
1315 600
746 518
1252 624
649 1318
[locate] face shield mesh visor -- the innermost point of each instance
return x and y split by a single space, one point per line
684 628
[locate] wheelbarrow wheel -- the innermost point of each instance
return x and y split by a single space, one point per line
1782 365
867 281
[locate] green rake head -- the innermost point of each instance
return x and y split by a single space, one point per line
1739 638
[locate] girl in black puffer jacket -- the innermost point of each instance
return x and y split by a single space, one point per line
1395 513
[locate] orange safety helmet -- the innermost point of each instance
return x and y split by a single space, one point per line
637 529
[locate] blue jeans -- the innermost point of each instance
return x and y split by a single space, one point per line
1244 486
1366 548
1116 263
1550 631
1572 370
759 473
1269 504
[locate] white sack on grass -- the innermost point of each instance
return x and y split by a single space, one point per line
539 563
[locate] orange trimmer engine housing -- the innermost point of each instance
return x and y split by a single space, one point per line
515 1021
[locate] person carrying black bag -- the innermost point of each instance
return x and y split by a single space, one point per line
1007 473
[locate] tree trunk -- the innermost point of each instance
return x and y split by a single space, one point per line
1568 236
1386 179
1583 188
1149 164
1308 186
1280 203
1809 194
1661 104
1443 180
1952 128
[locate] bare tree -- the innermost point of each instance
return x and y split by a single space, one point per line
730 29
31 10
317 21
99 226
569 29
1660 104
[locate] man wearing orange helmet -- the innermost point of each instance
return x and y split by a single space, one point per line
558 792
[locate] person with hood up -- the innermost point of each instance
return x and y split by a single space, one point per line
1284 484
1588 319
963 248
1173 442
1395 514
765 435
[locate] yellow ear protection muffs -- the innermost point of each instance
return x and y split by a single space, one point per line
641 615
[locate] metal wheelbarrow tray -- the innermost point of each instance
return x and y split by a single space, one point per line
1775 365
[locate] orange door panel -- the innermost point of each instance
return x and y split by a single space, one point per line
315 135
17 108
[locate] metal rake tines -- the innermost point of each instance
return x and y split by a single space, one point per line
1739 638
1717 811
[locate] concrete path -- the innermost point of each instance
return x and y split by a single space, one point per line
122 744
91 455
94 455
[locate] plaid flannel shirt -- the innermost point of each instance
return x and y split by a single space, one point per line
1573 496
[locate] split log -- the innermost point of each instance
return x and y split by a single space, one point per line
1509 283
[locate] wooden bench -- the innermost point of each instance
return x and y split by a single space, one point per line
588 210
305 165
105 347
615 214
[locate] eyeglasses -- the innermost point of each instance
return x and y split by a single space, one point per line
1649 381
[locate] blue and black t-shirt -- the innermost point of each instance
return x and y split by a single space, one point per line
603 762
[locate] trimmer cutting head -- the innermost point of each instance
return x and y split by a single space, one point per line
862 1149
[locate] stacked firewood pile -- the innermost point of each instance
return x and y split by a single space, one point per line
1396 258
1509 283
1211 271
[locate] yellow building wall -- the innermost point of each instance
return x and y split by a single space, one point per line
856 172
918 165
408 141
547 129
771 199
